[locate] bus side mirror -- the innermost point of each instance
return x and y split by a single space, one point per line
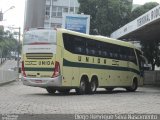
145 65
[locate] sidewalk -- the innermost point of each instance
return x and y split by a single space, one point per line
2 60
7 72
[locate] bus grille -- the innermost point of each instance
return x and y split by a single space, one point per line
39 55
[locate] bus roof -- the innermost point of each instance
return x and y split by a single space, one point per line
100 38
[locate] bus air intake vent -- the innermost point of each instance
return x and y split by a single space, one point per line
39 55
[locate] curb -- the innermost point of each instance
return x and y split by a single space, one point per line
5 83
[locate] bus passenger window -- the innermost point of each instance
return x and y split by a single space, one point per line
104 54
78 50
92 52
100 53
132 56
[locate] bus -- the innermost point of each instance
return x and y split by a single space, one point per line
61 60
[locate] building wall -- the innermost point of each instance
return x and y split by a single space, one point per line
34 13
58 7
38 12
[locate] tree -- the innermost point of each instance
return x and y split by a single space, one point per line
106 15
89 7
142 9
152 52
150 48
7 43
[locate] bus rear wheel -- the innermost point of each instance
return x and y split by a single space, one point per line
133 87
50 90
82 88
93 86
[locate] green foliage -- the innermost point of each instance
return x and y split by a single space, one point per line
7 43
150 48
142 9
106 15
152 52
109 15
89 7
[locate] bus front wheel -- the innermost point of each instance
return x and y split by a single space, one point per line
50 90
133 87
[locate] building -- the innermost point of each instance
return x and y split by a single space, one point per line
48 13
1 16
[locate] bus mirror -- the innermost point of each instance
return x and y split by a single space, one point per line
144 59
147 67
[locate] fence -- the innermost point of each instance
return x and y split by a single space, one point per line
8 71
152 77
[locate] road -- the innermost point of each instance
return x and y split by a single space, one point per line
19 99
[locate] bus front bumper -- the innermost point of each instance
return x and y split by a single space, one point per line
42 82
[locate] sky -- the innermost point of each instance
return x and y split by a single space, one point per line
15 17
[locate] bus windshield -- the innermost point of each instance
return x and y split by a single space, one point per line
40 36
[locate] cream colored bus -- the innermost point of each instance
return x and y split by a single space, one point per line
61 60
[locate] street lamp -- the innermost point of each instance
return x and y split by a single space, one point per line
12 7
2 13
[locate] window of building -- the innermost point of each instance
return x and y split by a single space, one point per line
46 24
71 9
47 10
56 11
59 9
65 9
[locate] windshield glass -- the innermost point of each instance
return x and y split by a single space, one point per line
40 36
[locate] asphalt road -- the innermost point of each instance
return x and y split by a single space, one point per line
16 98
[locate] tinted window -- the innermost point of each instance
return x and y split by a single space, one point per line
86 46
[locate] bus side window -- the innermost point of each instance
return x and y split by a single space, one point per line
78 45
78 49
91 48
68 42
124 53
99 49
132 56
87 51
104 53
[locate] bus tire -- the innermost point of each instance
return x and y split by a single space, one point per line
133 87
64 91
93 86
82 88
109 89
50 90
